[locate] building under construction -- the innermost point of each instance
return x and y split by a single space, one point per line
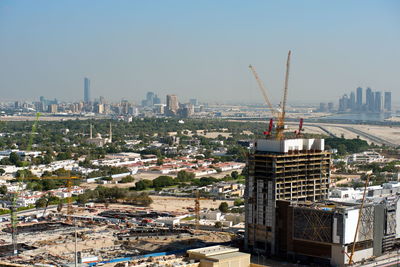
289 213
291 169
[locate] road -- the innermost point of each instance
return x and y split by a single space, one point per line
29 211
374 138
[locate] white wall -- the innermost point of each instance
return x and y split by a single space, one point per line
290 144
350 225
338 258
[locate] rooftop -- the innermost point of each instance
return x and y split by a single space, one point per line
227 256
213 250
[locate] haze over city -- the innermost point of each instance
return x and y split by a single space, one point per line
197 49
199 133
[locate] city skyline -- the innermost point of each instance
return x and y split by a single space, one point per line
191 56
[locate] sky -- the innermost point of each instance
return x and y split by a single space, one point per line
197 49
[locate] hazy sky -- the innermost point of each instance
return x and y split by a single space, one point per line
198 49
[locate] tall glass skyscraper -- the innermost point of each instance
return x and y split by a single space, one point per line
388 101
359 101
86 90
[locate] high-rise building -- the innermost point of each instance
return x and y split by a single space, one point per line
322 107
344 103
86 90
369 99
378 101
330 106
156 100
150 99
352 101
53 108
388 101
99 108
359 101
293 170
194 102
172 105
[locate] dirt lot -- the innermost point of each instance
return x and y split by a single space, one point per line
178 204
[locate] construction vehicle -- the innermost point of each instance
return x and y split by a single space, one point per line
281 113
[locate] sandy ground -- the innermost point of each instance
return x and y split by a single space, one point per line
347 178
339 131
391 134
177 204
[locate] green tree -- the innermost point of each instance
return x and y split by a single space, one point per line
3 189
47 159
143 184
141 199
24 174
234 174
83 198
223 207
127 179
218 225
2 171
41 203
163 181
238 202
14 158
184 176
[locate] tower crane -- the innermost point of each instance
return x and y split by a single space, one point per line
281 113
68 180
351 261
16 194
197 208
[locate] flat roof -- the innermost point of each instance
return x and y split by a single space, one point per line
228 255
213 250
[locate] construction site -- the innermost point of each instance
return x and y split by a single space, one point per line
58 238
291 214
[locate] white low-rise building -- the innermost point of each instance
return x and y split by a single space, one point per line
365 157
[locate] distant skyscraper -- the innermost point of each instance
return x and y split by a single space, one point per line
322 107
156 100
172 104
369 99
378 100
344 103
150 99
330 106
359 98
388 101
194 102
352 103
86 90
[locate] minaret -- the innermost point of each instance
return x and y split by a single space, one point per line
110 138
91 131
